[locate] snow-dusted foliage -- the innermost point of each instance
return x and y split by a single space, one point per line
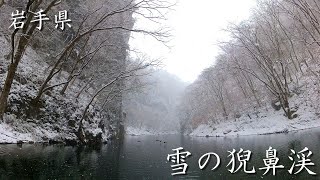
70 81
267 75
56 117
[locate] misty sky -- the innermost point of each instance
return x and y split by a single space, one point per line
196 28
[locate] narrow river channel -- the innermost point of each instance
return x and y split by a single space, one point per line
144 157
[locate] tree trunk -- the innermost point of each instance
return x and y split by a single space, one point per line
1 3
84 87
10 76
17 56
6 89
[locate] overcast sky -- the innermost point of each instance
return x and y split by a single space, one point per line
196 28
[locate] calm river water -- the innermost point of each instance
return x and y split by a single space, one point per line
144 157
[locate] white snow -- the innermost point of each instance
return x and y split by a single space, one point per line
33 68
137 131
132 131
268 121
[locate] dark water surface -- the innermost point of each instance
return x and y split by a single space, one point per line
144 157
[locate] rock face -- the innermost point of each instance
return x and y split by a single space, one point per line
55 118
227 131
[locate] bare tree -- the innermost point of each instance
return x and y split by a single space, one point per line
131 71
99 26
19 49
215 84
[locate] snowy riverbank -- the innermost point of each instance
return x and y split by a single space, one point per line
266 120
131 131
56 120
271 122
9 135
14 131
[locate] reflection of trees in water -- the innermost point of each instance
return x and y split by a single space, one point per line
114 151
43 162
145 157
295 145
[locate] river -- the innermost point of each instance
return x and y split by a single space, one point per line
144 157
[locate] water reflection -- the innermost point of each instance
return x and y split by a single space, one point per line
57 162
145 158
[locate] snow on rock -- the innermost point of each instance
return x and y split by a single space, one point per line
132 131
57 118
8 135
137 132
